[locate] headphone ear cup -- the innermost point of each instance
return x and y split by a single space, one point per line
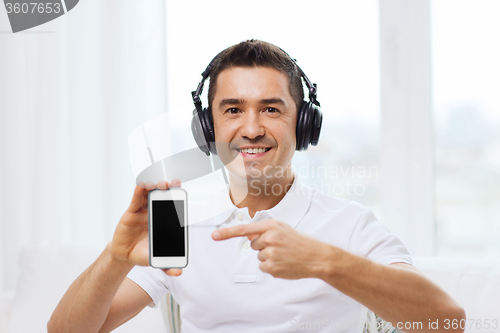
300 128
203 131
309 120
208 129
317 121
198 133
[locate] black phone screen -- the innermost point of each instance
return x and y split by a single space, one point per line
168 228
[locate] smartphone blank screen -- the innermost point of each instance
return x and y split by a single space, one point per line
168 228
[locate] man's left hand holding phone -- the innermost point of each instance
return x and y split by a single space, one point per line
100 298
134 237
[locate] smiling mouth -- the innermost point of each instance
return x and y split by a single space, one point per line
253 150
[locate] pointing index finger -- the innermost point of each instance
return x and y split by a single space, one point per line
251 229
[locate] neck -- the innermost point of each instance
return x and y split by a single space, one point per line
258 194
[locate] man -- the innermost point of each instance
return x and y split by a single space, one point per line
274 261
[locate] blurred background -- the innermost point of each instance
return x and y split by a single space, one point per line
409 92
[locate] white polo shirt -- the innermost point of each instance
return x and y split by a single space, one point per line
223 290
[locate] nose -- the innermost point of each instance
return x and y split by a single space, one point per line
251 127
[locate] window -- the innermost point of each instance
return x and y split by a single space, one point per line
466 86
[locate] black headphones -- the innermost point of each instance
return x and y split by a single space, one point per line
309 117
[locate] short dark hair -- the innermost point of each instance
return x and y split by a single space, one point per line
253 53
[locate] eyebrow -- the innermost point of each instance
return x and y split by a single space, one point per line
233 101
227 101
272 101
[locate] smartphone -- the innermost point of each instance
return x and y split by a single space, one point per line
168 231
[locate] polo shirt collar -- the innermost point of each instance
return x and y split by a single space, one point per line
291 209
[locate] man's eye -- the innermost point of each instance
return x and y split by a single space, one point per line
272 110
232 110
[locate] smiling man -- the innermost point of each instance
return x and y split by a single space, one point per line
281 257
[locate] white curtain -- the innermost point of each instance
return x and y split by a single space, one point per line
71 91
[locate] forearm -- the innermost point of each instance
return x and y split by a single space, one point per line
396 294
86 303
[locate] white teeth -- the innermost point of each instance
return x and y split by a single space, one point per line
253 150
